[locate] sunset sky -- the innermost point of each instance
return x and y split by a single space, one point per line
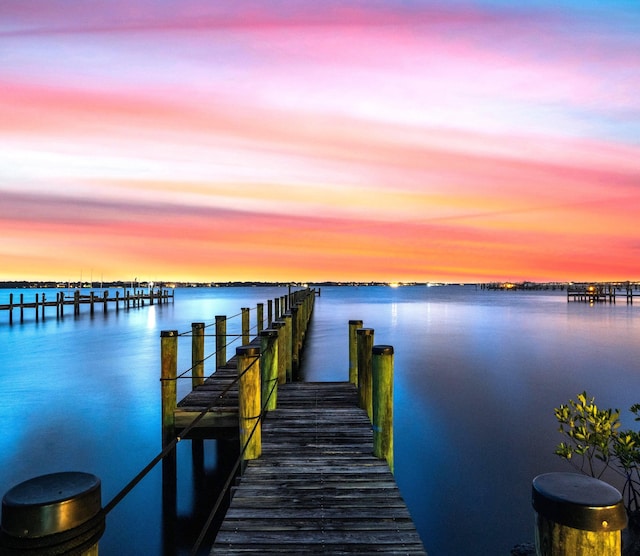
320 140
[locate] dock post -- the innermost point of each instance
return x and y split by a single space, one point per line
269 367
245 326
382 367
92 296
105 299
269 312
10 308
286 317
249 401
44 303
168 377
276 303
577 515
295 339
259 318
168 387
57 513
353 351
197 354
364 337
282 356
36 305
221 341
117 300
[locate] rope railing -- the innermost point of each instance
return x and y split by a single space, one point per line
230 477
171 445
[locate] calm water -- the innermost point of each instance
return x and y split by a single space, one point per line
477 375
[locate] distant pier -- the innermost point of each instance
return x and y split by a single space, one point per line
40 304
586 292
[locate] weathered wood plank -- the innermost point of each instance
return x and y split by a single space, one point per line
317 486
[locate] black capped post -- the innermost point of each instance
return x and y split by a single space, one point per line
577 515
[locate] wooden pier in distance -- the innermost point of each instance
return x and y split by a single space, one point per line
317 487
603 292
137 298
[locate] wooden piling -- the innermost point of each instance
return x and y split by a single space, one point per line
577 515
259 318
168 377
364 337
269 367
10 308
58 513
36 307
269 312
105 299
249 401
21 307
197 354
286 317
353 351
295 339
245 326
221 341
382 374
279 325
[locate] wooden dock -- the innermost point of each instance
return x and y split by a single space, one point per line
317 487
137 298
316 474
603 292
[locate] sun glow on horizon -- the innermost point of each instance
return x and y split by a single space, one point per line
438 142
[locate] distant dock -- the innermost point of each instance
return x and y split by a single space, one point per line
586 292
603 293
40 304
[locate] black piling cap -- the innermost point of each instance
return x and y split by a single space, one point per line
579 502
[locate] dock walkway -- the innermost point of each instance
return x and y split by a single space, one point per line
317 487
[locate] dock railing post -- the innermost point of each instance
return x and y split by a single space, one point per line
197 354
364 337
269 367
245 326
577 515
249 388
259 318
269 312
382 374
221 341
353 351
295 339
282 356
286 317
168 378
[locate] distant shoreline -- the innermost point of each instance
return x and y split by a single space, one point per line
526 285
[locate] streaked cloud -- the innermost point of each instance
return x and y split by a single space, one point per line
375 140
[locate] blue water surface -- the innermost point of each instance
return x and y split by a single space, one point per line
477 375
